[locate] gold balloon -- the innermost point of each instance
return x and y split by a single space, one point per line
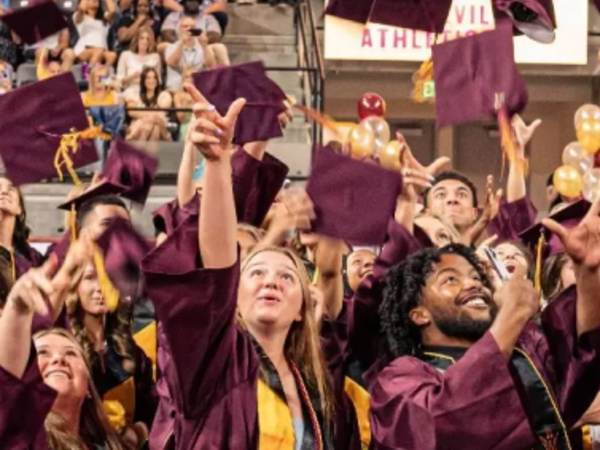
591 185
380 129
586 112
588 134
389 156
361 142
568 181
576 156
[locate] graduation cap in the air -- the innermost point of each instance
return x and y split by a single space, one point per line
36 22
534 18
473 75
353 200
123 250
44 131
129 172
425 15
259 120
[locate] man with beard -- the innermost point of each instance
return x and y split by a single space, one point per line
488 376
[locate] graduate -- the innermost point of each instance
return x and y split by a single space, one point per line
121 371
49 401
255 378
487 375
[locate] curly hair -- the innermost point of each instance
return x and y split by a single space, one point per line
118 328
404 284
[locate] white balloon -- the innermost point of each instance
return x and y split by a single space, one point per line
575 155
591 185
380 129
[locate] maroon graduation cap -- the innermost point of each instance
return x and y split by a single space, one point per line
534 18
425 15
472 73
34 119
258 120
36 22
129 172
353 200
354 10
123 249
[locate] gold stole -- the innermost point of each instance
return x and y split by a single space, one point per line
119 404
275 425
587 438
361 400
146 340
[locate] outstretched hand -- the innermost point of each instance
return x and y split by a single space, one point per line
523 132
29 294
581 243
490 211
210 133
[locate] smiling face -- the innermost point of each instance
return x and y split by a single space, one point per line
270 294
10 202
144 42
151 81
62 366
455 303
454 201
90 295
359 265
512 257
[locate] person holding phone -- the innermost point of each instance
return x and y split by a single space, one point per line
190 52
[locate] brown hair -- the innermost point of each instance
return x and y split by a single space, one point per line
551 280
118 327
135 42
94 427
303 346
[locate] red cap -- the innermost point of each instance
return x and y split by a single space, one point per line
36 22
534 18
471 73
34 119
258 120
353 200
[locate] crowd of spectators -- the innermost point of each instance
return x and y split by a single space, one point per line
135 53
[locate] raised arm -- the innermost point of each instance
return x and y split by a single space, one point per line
516 188
185 176
111 11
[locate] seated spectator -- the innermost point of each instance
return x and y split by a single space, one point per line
6 77
132 62
93 25
142 16
58 50
184 100
151 125
204 20
9 49
101 91
188 53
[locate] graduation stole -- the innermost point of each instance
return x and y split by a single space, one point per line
119 399
361 400
275 424
546 420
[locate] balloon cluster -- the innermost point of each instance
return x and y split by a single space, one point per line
371 137
578 175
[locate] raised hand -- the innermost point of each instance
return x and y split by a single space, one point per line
519 296
434 169
210 133
490 211
581 243
29 293
523 132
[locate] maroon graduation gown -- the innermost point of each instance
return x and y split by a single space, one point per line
255 186
512 219
212 366
476 403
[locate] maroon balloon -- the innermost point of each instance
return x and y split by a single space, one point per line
371 104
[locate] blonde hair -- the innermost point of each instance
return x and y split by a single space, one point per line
94 427
454 234
303 346
92 83
135 42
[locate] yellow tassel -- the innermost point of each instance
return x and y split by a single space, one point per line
316 277
109 292
73 222
507 139
424 91
322 119
538 263
69 144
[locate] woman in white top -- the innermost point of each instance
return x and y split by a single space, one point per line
93 25
132 62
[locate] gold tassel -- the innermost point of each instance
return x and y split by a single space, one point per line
424 91
69 144
316 277
109 292
538 262
507 139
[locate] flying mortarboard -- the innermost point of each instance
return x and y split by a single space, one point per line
534 18
36 22
472 73
45 131
425 15
259 120
354 10
353 200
